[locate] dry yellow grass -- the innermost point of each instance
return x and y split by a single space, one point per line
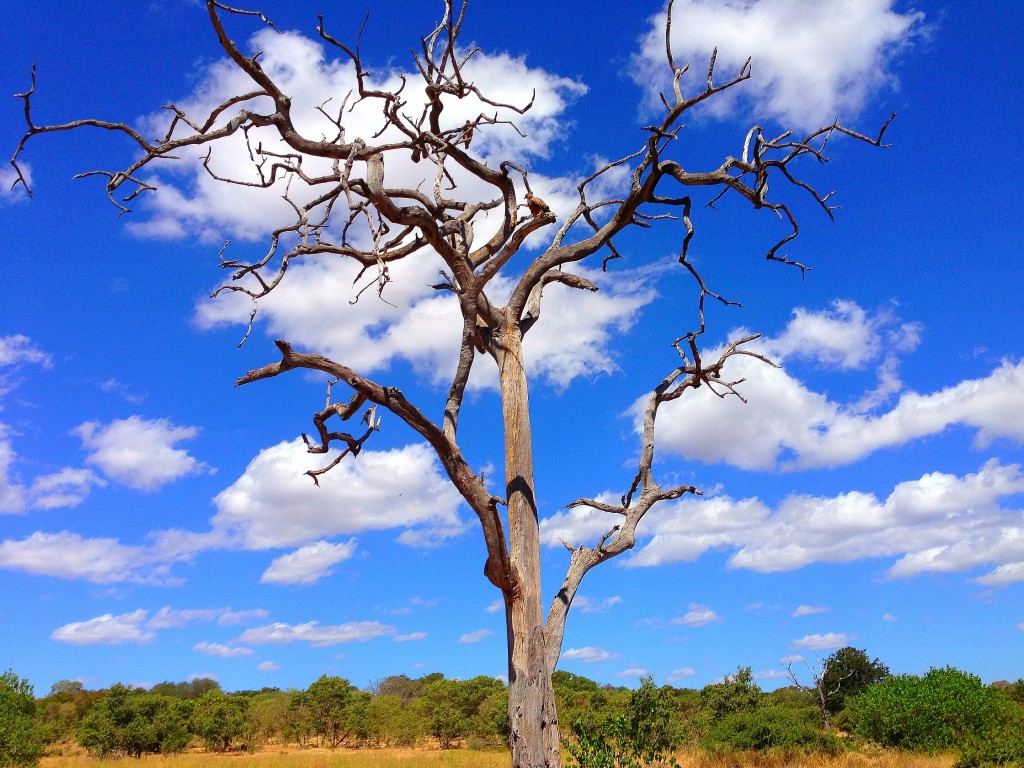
463 758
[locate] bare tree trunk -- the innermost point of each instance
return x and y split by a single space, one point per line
531 703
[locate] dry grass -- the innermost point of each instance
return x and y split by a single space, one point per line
464 758
294 758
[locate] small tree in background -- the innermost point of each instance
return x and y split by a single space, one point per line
19 741
848 672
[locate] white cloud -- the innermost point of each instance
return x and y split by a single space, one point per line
632 672
274 504
589 655
222 651
476 636
809 610
19 348
585 604
201 205
495 606
8 192
313 633
422 326
822 642
230 618
140 453
811 62
308 564
939 523
678 675
106 630
697 616
70 556
410 636
64 489
889 617
784 417
267 666
168 618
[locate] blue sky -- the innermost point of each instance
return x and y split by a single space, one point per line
155 523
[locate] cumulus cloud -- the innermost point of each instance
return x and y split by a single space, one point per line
697 616
811 62
66 488
173 618
274 504
308 564
106 630
223 651
201 205
19 348
267 666
476 636
70 556
786 425
937 523
822 642
589 655
313 633
140 453
421 326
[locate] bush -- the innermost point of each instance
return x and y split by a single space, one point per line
19 741
641 736
1002 745
772 728
944 709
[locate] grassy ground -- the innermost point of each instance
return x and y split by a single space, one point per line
464 758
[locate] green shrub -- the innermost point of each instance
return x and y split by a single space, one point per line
772 728
19 741
642 736
944 709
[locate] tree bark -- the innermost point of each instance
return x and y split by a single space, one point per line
534 735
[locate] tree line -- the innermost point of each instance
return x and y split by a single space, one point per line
847 700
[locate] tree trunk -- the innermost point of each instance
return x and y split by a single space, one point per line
531 703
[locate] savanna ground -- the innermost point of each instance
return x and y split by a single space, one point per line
277 757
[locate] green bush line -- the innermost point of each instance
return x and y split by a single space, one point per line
604 726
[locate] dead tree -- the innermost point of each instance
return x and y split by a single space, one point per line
822 690
338 186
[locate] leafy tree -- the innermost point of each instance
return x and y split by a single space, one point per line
736 693
219 719
473 223
63 709
19 741
848 672
267 716
945 708
133 722
329 700
66 686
